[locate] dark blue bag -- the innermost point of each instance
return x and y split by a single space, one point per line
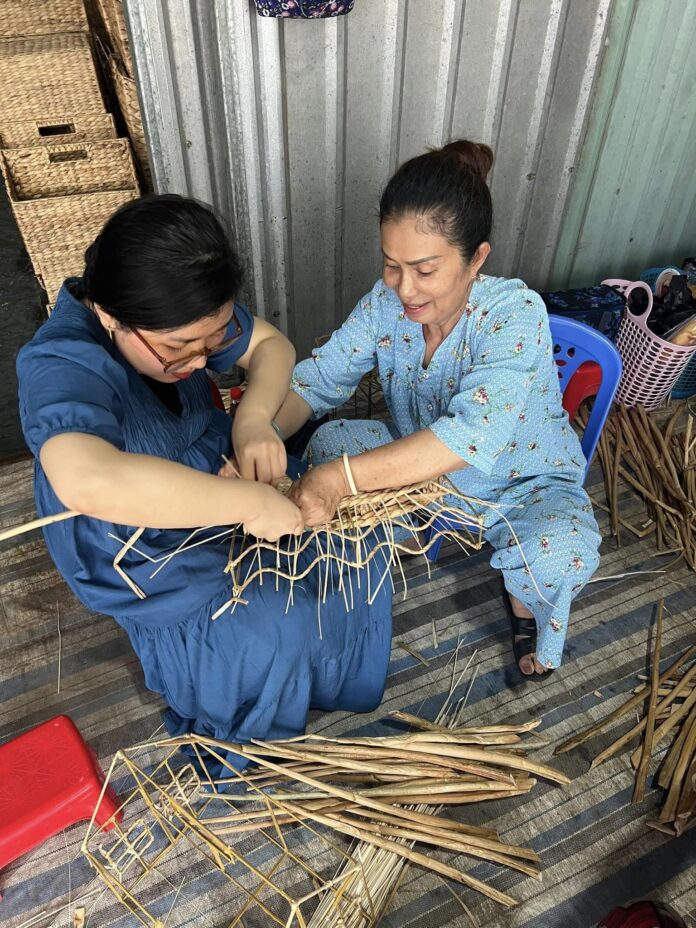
600 307
303 9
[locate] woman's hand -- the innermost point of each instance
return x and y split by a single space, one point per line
229 469
258 450
319 491
271 515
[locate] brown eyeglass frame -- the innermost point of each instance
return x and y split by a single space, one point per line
182 362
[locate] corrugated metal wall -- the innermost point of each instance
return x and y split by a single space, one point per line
292 127
634 200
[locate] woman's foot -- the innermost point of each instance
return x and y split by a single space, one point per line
527 663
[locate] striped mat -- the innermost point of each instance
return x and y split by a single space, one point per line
596 850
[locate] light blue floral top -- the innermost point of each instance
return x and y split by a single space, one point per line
490 392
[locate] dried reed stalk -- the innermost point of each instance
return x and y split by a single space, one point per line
383 870
407 853
672 699
374 815
624 709
17 530
681 690
379 792
660 465
641 773
686 759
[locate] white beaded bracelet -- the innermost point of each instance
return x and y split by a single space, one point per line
349 474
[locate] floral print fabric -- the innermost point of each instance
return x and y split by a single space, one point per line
490 393
303 9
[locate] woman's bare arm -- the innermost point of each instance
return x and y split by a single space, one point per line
94 478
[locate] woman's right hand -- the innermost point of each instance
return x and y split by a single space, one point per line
270 514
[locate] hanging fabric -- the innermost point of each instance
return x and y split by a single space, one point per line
303 9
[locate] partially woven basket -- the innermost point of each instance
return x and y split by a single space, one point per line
62 170
42 17
46 74
57 130
375 507
127 94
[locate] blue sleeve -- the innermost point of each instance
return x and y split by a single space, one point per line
508 345
223 361
332 374
69 385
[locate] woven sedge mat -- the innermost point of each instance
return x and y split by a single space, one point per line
596 851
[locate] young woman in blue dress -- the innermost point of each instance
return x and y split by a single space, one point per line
465 362
117 408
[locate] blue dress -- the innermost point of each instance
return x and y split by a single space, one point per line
491 395
251 673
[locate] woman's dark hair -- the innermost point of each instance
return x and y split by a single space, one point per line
161 262
447 188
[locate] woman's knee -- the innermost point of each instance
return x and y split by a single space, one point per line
350 436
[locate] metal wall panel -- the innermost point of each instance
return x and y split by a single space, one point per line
292 127
634 201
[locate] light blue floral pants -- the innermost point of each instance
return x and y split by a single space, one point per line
546 545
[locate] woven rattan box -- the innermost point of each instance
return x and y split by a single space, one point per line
42 17
58 129
47 74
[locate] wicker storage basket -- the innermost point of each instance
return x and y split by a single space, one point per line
115 23
128 101
54 266
61 170
52 285
57 130
66 223
42 17
46 74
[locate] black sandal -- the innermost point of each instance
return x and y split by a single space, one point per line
527 643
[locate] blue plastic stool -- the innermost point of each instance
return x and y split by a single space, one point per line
573 344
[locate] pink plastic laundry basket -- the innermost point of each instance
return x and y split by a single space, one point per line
651 366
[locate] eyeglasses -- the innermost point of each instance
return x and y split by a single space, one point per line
172 366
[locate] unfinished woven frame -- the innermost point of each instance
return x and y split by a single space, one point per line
362 531
368 527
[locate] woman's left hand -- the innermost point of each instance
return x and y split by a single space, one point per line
258 450
319 491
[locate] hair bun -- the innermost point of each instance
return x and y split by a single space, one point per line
474 155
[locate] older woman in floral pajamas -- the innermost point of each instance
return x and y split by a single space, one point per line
466 365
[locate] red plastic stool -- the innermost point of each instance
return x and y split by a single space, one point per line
49 779
584 383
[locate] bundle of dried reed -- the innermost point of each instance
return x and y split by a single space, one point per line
383 868
659 464
671 712
381 791
385 793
